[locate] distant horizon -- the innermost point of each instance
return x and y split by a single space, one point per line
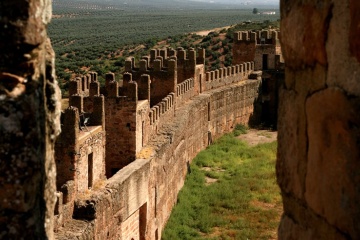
199 4
242 2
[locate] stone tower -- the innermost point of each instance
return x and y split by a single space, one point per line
262 47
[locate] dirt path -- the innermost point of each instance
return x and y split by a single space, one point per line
206 32
254 136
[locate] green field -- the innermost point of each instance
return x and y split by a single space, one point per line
90 35
231 193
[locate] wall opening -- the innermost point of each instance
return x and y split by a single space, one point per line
200 83
265 62
209 138
57 205
155 201
83 84
90 170
142 134
142 221
209 111
265 86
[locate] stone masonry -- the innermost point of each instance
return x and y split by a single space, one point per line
318 172
144 143
29 121
317 166
264 49
124 150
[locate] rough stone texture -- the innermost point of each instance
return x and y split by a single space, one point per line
120 121
333 138
152 147
354 40
81 146
318 172
137 201
261 47
163 80
29 116
155 123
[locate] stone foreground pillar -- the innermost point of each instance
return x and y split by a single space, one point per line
29 121
319 114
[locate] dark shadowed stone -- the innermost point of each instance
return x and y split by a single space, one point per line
333 174
29 121
354 33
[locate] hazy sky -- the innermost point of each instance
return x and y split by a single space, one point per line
242 1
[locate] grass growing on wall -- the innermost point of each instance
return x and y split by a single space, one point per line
231 193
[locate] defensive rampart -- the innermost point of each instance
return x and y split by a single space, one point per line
262 47
136 202
227 75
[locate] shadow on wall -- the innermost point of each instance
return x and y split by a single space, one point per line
266 104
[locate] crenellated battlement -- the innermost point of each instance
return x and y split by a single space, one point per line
168 88
84 84
147 65
184 87
147 98
155 80
228 75
245 36
91 108
161 108
258 38
143 86
185 91
180 54
262 47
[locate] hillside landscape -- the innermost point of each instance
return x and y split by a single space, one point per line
99 36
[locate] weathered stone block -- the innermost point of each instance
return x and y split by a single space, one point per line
304 28
333 171
287 166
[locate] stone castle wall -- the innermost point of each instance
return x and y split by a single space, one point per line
227 75
318 172
141 195
261 47
162 75
317 166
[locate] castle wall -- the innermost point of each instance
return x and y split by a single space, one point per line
90 164
143 131
186 64
199 79
270 85
115 210
121 126
29 121
163 78
261 47
137 200
81 142
262 50
185 91
318 125
227 75
80 154
67 147
232 106
161 113
243 52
